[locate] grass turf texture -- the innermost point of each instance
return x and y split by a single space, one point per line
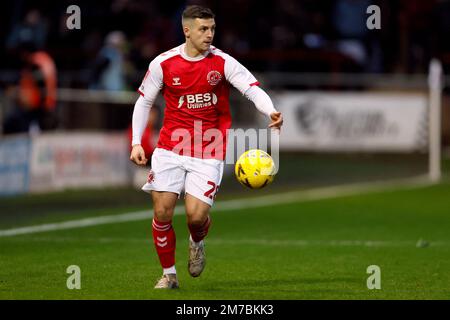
298 170
308 250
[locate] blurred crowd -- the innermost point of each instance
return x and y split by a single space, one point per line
118 38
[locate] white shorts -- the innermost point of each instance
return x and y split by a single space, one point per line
175 173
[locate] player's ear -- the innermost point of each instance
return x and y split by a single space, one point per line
186 31
186 28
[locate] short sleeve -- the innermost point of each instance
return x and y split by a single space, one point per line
153 80
238 75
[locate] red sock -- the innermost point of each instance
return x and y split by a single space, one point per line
164 240
199 232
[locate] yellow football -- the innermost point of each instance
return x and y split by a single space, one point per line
255 169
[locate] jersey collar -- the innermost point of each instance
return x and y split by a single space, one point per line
197 58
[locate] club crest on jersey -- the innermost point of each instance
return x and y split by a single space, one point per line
213 77
176 81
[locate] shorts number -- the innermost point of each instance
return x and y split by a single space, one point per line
211 193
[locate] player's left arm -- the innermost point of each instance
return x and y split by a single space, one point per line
264 104
246 83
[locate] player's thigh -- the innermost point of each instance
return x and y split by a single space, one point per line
196 209
164 205
167 173
203 179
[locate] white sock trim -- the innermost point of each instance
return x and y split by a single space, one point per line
195 243
170 270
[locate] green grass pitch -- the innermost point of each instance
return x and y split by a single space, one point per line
307 250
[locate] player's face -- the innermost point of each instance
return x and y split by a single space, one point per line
201 33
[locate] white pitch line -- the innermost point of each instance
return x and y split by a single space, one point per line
229 205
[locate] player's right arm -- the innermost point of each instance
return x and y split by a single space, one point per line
246 83
148 92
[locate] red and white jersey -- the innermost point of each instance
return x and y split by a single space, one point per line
196 93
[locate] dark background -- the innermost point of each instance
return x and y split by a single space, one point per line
287 35
295 39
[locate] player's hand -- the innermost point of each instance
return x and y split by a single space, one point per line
138 155
277 120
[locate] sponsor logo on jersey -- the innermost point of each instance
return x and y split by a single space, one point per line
176 81
214 77
197 101
180 102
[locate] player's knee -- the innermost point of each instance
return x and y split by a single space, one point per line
197 219
163 214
